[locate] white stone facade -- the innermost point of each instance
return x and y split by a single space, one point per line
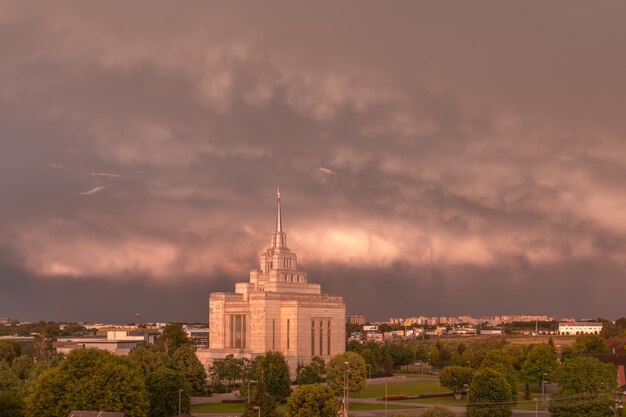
277 310
575 328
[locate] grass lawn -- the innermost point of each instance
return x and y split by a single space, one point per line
218 408
522 404
438 401
367 407
412 386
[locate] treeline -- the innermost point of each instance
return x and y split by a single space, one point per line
41 383
53 328
489 373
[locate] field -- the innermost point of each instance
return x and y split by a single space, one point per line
218 408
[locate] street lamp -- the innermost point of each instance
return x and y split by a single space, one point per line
536 407
543 388
249 381
369 368
180 391
258 410
347 405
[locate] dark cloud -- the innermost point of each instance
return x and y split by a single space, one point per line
472 155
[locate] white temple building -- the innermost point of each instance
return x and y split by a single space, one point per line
277 310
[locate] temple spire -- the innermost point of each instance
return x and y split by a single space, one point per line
279 239
279 220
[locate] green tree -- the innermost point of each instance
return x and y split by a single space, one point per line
8 378
273 370
316 400
163 388
261 401
149 358
354 365
11 403
314 373
9 350
185 361
372 360
503 363
22 366
589 343
400 353
609 330
489 395
585 387
229 369
540 363
172 337
455 377
437 411
88 379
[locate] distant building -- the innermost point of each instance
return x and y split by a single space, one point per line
118 340
199 336
579 327
277 310
358 319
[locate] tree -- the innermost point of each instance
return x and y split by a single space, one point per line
313 373
273 370
172 337
316 400
589 343
163 388
400 353
11 403
22 365
185 361
9 350
88 379
455 377
489 395
585 387
540 363
228 369
8 378
372 360
261 399
149 358
503 363
43 343
356 372
437 411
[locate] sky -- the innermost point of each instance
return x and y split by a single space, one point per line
434 158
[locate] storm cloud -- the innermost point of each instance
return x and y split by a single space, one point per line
433 158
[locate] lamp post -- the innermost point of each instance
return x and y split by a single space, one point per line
258 410
180 391
347 405
369 369
536 407
543 389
